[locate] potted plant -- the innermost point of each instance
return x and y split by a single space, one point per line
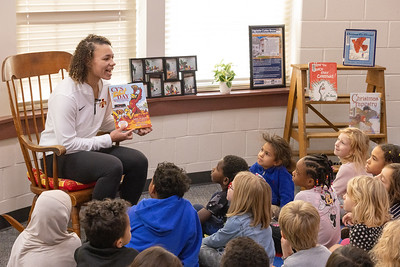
224 74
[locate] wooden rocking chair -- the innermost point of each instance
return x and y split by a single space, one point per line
29 78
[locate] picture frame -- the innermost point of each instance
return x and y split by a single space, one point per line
171 68
172 88
187 63
267 56
359 47
136 67
189 83
154 65
155 86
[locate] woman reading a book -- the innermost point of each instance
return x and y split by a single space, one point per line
78 108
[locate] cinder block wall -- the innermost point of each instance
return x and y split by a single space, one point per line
322 37
197 141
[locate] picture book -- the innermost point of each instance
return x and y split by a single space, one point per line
129 105
323 81
365 110
359 47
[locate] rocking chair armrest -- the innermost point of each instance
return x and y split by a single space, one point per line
57 149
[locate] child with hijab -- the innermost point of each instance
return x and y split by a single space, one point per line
46 236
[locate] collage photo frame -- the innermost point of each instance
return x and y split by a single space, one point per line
165 76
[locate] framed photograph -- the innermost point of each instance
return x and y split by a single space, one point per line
187 63
172 88
359 47
267 56
155 85
153 65
189 83
137 70
171 68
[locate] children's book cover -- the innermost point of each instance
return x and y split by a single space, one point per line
323 81
365 110
129 105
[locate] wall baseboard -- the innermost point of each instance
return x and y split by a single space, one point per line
21 215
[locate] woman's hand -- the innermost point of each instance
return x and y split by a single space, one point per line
143 131
119 135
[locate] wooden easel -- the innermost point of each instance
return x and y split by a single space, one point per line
297 100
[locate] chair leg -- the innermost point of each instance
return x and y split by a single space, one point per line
76 227
14 223
32 207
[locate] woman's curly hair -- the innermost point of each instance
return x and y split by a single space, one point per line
83 55
170 180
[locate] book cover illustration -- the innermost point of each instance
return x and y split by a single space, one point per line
365 110
129 105
359 47
323 81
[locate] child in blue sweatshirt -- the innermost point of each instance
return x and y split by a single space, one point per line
273 162
167 219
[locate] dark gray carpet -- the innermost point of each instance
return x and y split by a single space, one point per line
197 194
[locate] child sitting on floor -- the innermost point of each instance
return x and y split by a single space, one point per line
390 177
167 219
244 252
249 215
107 230
273 162
156 257
349 256
351 148
299 223
382 155
314 173
46 237
368 202
386 252
213 216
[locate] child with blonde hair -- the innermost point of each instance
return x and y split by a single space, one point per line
368 201
273 162
382 155
390 178
314 173
351 148
386 252
299 222
249 215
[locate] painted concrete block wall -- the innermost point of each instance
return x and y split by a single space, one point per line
322 37
196 141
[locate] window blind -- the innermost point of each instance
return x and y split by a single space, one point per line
219 30
44 25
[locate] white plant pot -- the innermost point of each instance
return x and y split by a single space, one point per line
223 88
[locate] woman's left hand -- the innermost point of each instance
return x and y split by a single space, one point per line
143 131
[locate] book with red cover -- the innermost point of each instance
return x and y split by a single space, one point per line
323 81
130 106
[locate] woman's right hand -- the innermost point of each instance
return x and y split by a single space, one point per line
119 135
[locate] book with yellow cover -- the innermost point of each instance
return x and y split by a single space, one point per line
130 109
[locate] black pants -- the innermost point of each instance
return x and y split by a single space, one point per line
106 167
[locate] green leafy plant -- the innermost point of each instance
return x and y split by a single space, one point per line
224 73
